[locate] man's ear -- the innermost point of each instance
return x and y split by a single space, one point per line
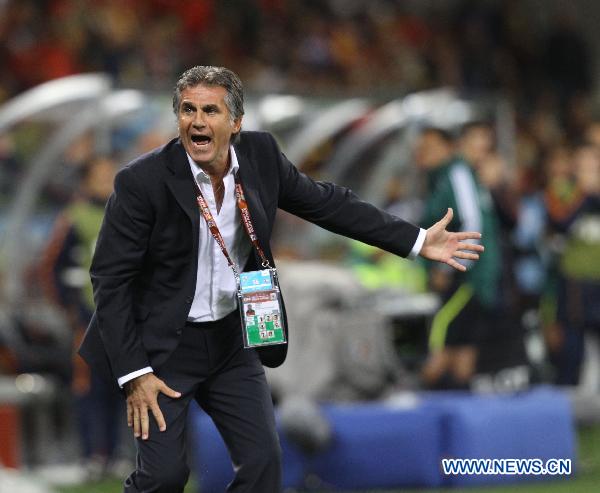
237 125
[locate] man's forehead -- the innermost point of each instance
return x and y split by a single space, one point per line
204 93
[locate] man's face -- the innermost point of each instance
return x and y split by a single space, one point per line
99 182
431 151
587 169
205 125
477 144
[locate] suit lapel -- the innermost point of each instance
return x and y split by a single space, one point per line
181 184
249 178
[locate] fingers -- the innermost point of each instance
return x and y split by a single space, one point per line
141 420
129 414
466 255
142 399
468 235
168 391
137 427
145 422
447 218
456 265
158 416
470 246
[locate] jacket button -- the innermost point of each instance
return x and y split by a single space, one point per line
178 332
189 299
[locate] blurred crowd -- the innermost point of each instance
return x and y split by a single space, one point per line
380 46
542 243
539 207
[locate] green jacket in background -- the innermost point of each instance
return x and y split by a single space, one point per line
455 184
86 219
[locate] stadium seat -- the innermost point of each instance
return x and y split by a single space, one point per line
381 446
534 424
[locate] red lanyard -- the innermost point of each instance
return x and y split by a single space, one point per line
245 213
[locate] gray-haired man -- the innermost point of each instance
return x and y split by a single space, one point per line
166 326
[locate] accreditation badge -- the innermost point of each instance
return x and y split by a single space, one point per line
260 308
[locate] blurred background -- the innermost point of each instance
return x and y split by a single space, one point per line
491 107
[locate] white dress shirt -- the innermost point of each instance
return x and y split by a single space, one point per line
215 277
216 290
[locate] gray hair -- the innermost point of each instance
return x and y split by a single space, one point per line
213 76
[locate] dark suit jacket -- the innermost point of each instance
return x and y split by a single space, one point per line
145 264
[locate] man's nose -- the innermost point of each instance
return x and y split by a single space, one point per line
199 121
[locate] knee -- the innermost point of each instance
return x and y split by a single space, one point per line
171 477
265 457
273 453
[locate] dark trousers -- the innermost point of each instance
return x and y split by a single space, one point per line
211 366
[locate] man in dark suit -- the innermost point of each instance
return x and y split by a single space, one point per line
166 326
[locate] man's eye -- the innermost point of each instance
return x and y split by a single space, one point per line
187 109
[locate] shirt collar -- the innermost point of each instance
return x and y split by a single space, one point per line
199 173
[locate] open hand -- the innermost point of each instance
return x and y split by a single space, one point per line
443 246
142 396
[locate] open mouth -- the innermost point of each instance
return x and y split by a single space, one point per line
201 140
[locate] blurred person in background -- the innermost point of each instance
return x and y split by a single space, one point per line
60 190
65 270
576 218
468 301
558 198
377 269
501 346
476 142
166 326
477 145
592 133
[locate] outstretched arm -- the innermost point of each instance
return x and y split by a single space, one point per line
443 246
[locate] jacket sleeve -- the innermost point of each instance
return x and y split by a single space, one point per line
118 259
340 211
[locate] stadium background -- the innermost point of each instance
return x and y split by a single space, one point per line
346 87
